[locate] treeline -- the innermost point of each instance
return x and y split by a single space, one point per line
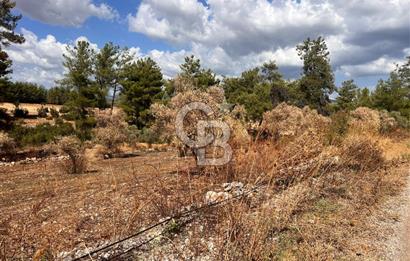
92 76
25 92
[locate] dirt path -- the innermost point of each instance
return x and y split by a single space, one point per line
398 246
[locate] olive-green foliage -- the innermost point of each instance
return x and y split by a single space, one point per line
146 135
253 89
347 99
200 77
364 98
338 129
8 23
20 113
54 113
394 93
79 65
58 95
141 87
6 121
317 82
84 127
42 112
41 134
22 92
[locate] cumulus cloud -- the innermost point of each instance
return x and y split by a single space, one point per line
67 13
40 60
231 36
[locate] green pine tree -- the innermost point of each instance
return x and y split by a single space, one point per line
141 87
317 82
347 96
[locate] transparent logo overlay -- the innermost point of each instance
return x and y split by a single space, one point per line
205 139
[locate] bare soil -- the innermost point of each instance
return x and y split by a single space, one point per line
43 208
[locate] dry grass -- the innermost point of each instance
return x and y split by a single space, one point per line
32 108
313 202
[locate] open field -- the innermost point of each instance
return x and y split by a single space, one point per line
43 208
32 108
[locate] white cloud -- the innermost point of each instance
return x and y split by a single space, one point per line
39 60
381 66
65 12
232 35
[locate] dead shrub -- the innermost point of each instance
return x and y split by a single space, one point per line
252 234
338 129
362 154
111 130
388 124
111 137
365 120
74 149
290 121
7 144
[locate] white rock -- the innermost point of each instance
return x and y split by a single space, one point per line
212 196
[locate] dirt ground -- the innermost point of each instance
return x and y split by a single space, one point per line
44 208
32 108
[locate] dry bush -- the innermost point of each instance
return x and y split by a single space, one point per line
338 129
165 115
290 121
72 146
387 123
362 154
253 234
239 135
111 130
365 120
7 144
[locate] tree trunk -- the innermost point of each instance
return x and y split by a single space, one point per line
113 98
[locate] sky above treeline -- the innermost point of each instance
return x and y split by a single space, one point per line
366 38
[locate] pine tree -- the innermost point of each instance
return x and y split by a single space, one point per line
317 82
8 23
110 63
79 64
141 87
347 96
193 71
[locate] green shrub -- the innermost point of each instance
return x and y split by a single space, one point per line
401 120
69 116
42 112
6 121
149 136
338 128
20 113
74 149
84 128
54 113
40 134
64 109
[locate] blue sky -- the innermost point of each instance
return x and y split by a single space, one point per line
228 36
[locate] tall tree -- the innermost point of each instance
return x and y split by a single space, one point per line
347 96
141 87
200 77
8 23
364 98
403 73
79 65
317 82
252 90
110 63
394 93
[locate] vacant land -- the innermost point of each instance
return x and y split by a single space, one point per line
42 207
32 108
